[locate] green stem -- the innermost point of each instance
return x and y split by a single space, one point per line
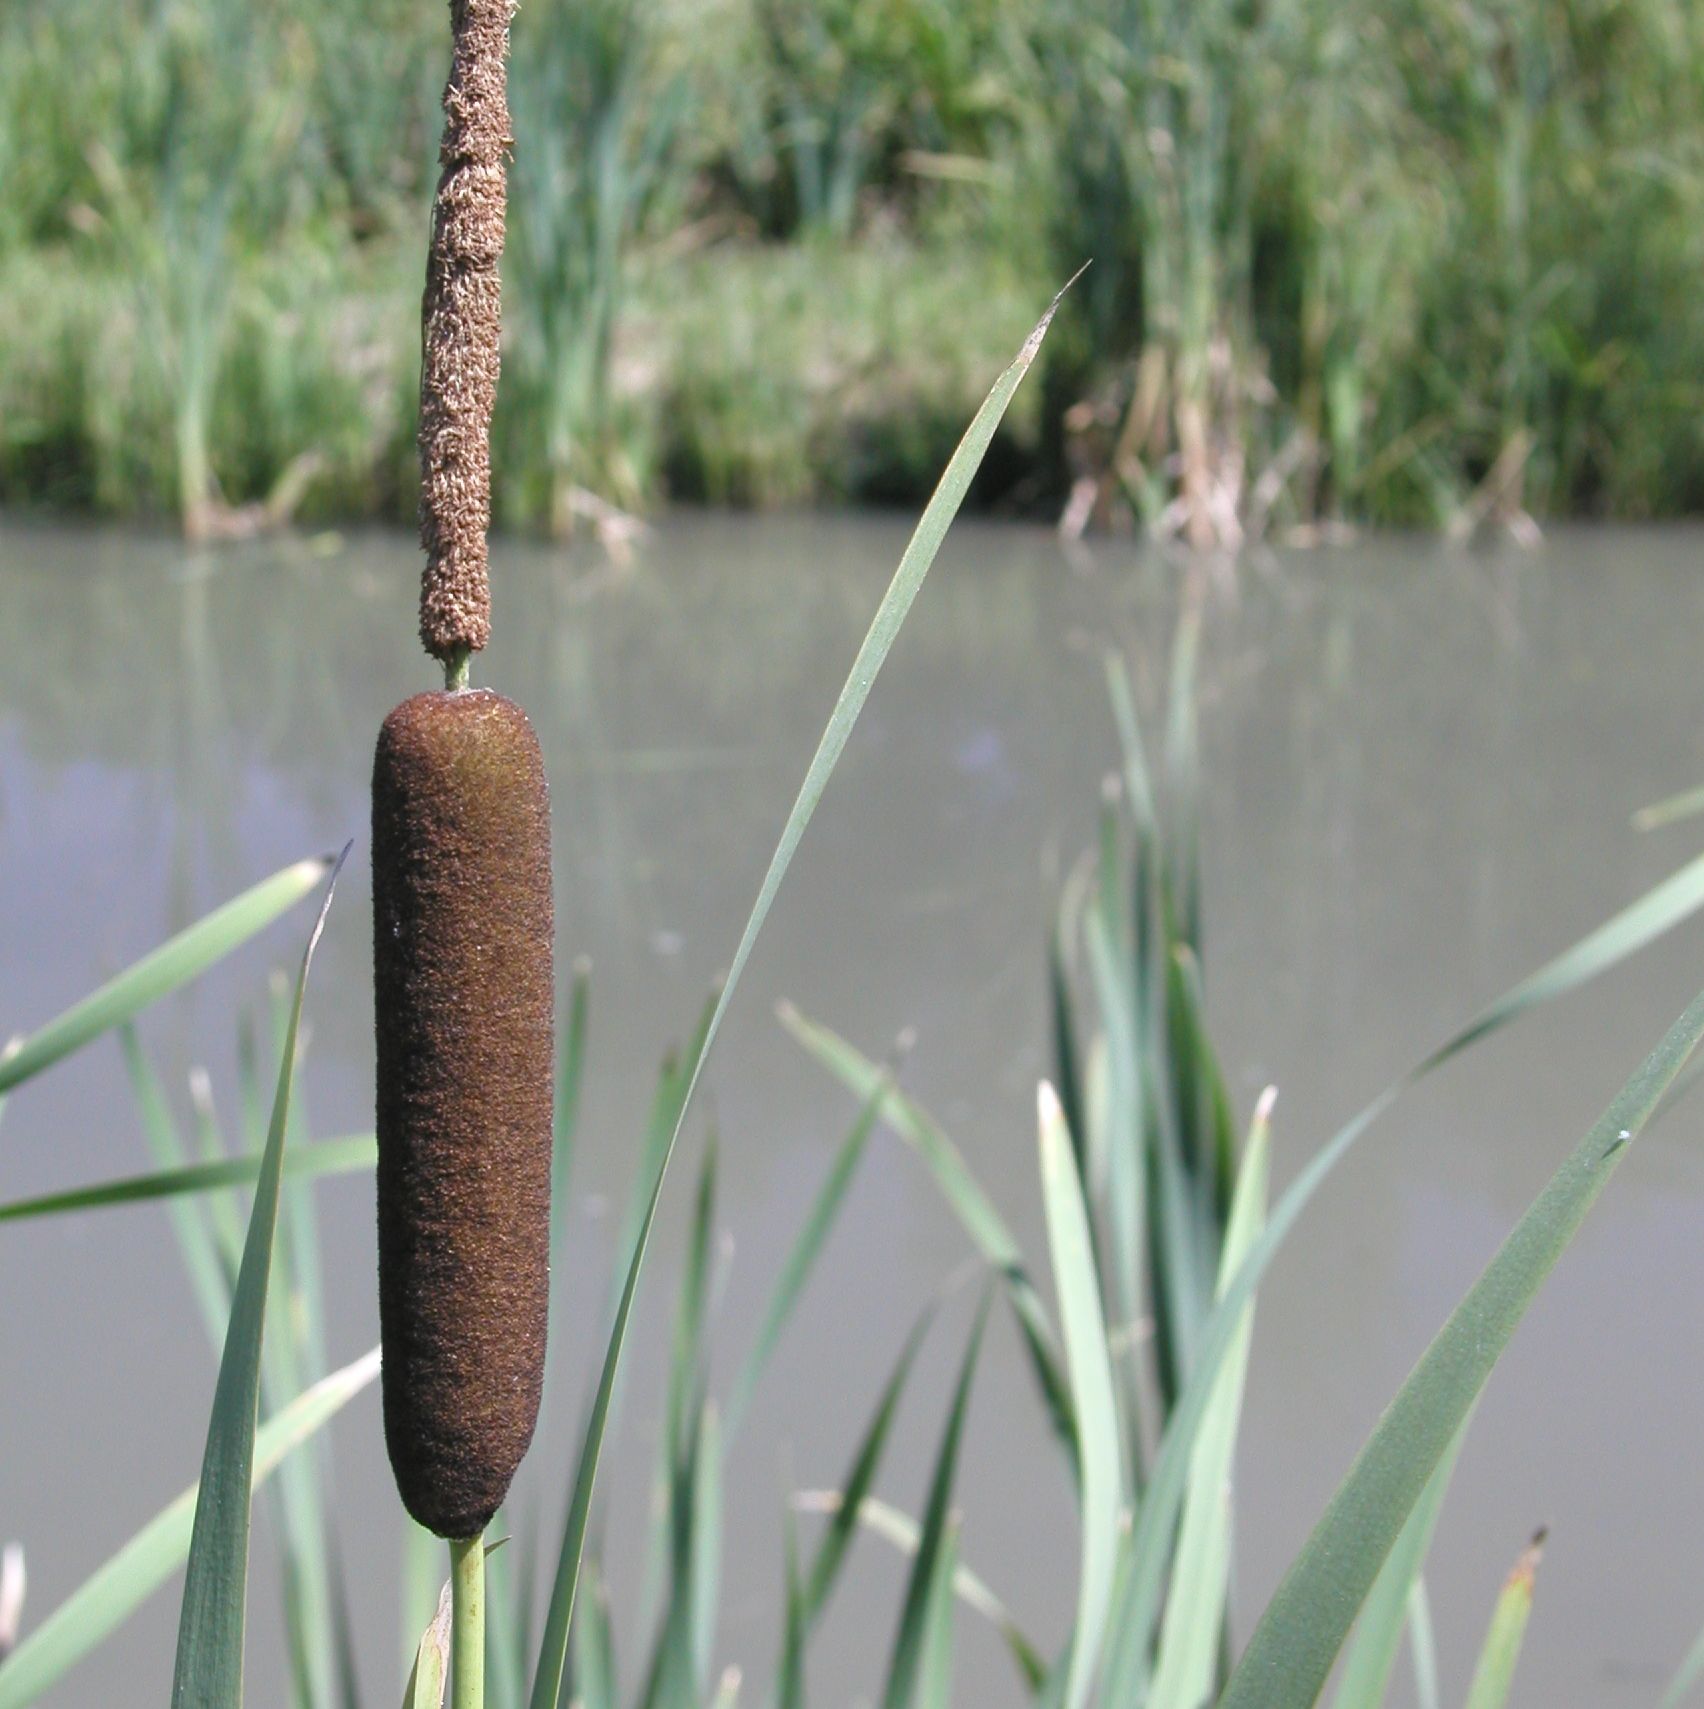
455 668
467 1624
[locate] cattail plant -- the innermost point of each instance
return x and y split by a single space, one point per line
462 927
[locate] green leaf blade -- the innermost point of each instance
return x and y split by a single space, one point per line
1390 1604
907 1656
209 1670
1494 1677
164 969
350 1155
935 1670
1296 1642
866 1461
908 578
987 1230
801 1260
119 1586
1194 1617
1092 1392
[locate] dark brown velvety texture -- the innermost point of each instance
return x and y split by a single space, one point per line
464 990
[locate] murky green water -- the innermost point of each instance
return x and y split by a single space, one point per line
1420 767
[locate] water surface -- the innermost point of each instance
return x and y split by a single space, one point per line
1420 768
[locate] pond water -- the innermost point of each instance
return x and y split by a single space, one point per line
1420 766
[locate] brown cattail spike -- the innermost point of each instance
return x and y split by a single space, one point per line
460 324
462 971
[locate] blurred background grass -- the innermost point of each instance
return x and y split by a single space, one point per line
1412 262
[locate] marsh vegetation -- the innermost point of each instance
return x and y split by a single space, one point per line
1408 263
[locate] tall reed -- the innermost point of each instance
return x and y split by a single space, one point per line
1155 98
193 171
597 134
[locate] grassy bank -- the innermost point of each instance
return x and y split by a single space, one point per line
1416 263
743 375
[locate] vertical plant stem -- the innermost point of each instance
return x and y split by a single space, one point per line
467 1624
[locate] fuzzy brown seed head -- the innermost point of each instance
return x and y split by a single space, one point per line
460 326
462 932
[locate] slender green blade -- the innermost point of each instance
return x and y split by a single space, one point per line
1194 1620
1138 784
884 629
1423 1647
420 1556
174 963
594 1647
505 1667
678 1450
1062 1016
1669 811
706 1563
935 1670
354 1154
987 1230
869 1081
1086 1360
801 1260
1690 1671
907 1653
1663 906
666 1113
1212 1156
569 1079
1378 1633
117 1588
343 1624
211 1278
224 1209
1183 768
687 1367
903 1532
1121 1189
209 1669
790 1676
1495 1675
1297 1640
294 1354
831 1550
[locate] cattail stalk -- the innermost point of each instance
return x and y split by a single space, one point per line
462 928
467 1624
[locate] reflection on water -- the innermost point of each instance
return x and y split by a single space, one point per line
1420 770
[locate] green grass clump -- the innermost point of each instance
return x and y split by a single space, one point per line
826 373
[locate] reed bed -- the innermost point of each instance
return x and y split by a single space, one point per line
1410 263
